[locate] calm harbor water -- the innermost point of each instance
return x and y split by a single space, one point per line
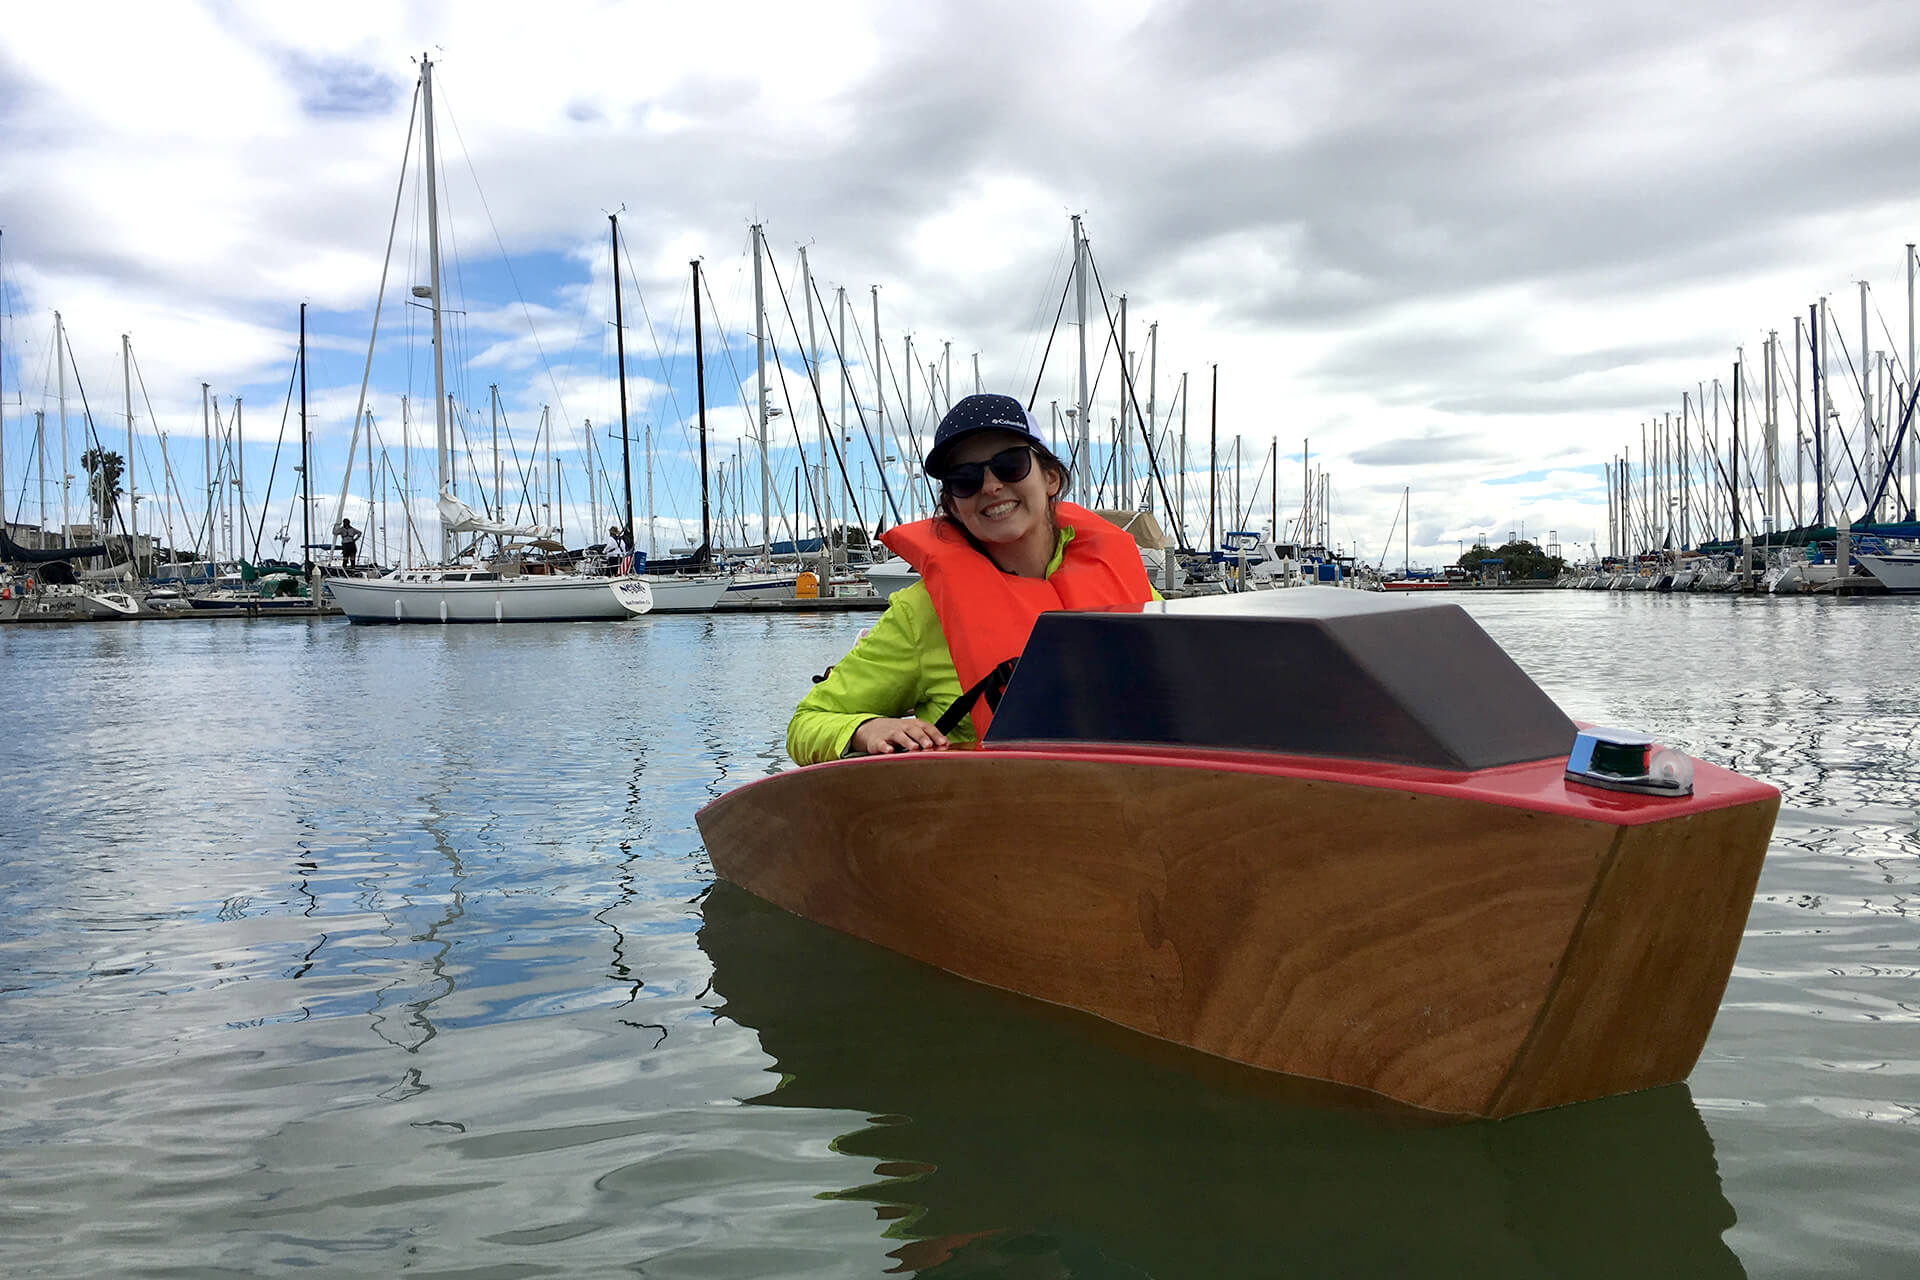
347 951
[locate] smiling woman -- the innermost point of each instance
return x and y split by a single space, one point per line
1003 550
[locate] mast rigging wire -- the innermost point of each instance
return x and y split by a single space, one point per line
1128 392
379 302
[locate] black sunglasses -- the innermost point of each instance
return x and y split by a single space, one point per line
1010 466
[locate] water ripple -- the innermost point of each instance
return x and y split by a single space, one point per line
362 950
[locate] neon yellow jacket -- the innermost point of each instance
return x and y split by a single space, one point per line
902 665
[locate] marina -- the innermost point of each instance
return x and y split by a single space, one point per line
435 971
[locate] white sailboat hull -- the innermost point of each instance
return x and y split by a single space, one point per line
686 595
1800 577
1897 572
760 588
559 598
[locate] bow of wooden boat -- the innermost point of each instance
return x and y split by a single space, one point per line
1481 940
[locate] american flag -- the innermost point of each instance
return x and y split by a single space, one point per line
626 564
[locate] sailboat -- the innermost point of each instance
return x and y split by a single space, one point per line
509 588
688 585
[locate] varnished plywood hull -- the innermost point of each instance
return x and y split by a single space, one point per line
1461 956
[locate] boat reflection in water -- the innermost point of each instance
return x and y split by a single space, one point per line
1011 1137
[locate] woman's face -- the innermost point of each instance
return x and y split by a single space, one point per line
1004 512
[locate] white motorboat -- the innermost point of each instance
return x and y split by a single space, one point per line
75 601
112 604
1898 571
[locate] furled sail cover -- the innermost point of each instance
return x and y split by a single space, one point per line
11 550
458 517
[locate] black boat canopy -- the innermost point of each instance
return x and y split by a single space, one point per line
1316 671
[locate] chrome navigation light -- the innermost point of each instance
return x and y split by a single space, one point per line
1623 760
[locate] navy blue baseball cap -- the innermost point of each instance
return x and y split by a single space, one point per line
979 413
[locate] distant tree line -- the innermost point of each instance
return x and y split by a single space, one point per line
1521 559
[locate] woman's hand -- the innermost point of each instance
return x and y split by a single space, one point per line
881 735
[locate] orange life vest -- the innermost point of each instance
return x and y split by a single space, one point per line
988 614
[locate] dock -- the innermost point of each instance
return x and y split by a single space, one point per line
819 604
38 618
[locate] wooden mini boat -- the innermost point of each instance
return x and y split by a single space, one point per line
1321 832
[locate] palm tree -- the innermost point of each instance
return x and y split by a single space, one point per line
104 469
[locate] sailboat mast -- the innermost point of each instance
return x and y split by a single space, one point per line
700 385
1869 430
1153 408
1772 503
547 477
1799 428
1235 515
593 480
760 416
620 354
846 441
306 462
240 462
1083 477
60 351
1213 467
1306 488
1733 457
1122 439
1817 319
880 394
443 443
1273 490
206 461
133 509
913 464
406 479
1180 519
824 506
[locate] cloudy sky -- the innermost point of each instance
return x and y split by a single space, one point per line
1466 249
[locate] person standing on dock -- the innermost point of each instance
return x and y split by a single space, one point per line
1002 550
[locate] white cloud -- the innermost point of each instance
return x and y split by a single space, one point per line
1522 231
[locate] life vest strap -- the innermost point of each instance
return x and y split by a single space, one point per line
990 686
